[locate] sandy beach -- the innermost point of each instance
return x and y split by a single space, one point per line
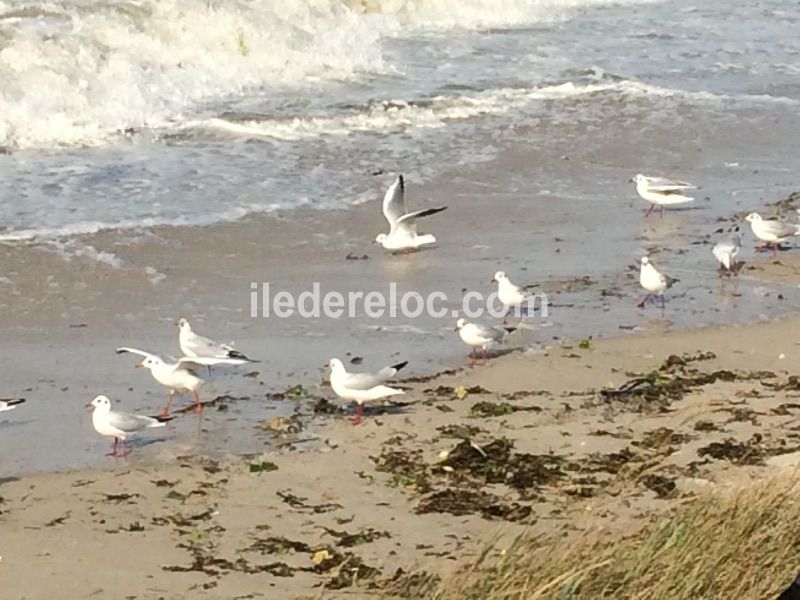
164 160
540 444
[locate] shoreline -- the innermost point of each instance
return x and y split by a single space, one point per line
383 496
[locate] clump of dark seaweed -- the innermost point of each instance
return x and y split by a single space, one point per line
464 502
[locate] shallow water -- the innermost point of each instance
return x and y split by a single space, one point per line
526 120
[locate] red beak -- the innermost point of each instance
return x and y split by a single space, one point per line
90 407
138 365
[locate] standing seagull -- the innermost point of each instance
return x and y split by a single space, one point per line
725 251
403 226
480 336
362 387
213 353
10 404
653 282
661 192
770 231
179 376
119 425
509 294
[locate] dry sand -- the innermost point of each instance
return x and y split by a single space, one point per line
366 503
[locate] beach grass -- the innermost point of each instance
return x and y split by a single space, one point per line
734 544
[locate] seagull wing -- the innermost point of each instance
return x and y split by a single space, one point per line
409 220
203 346
489 333
780 229
10 404
124 349
394 203
662 185
130 423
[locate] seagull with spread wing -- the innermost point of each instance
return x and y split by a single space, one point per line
403 226
179 376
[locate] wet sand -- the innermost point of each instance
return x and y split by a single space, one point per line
571 228
544 444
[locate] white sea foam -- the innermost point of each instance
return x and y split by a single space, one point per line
398 115
78 73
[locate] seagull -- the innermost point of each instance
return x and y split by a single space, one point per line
213 353
119 425
509 294
653 282
362 387
726 250
661 192
10 404
771 231
403 226
179 376
480 336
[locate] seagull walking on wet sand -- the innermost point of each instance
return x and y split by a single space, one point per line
10 404
725 251
509 294
654 282
211 352
477 336
179 376
362 387
771 231
661 192
120 425
403 234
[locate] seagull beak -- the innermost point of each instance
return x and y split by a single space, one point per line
138 365
493 280
631 180
90 407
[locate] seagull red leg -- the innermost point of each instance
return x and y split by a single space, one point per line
165 410
113 451
356 419
198 406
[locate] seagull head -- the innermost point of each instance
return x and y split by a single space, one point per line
149 363
499 276
100 402
184 324
637 178
335 364
380 239
645 261
460 323
753 218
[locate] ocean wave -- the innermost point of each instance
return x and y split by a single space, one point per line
398 115
86 228
81 73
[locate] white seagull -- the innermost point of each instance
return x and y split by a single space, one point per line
403 226
362 387
654 282
179 376
509 294
661 192
119 425
10 404
480 336
211 352
770 231
725 251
